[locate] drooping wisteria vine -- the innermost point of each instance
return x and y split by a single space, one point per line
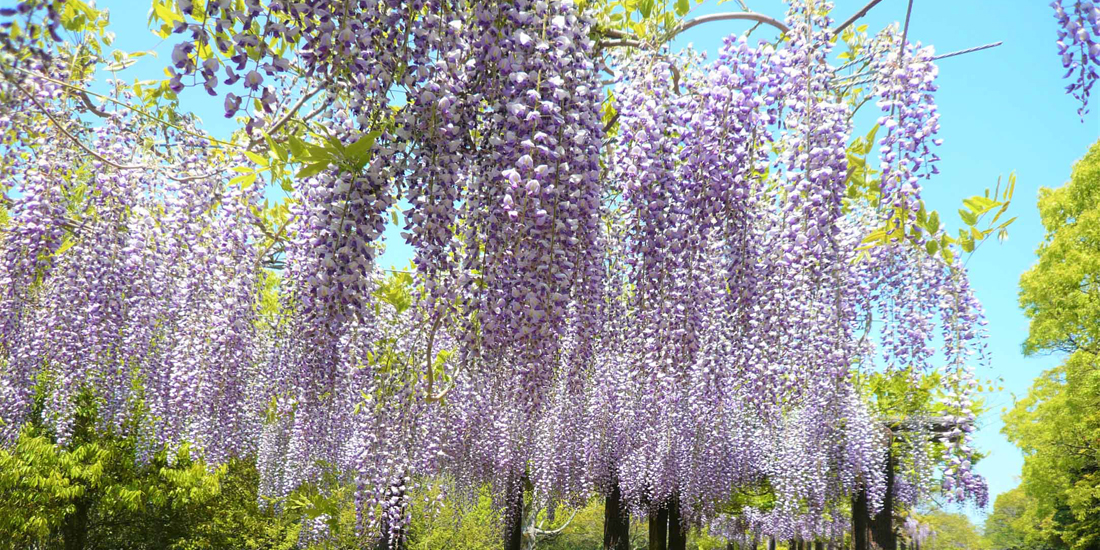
1079 46
672 304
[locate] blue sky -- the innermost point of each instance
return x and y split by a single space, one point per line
1003 110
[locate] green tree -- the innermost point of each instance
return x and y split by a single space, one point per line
951 532
1011 526
94 494
1057 426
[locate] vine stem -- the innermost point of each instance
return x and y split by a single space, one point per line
86 92
71 137
624 39
101 158
855 17
286 117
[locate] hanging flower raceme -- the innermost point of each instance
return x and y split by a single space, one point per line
905 86
529 221
679 315
141 290
1079 46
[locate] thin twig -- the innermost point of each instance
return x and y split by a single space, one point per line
611 123
745 15
855 17
126 105
968 50
71 137
98 156
91 106
905 31
867 76
286 117
623 39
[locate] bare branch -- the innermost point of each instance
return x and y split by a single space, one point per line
611 123
623 39
91 106
61 128
124 105
286 117
743 15
553 532
968 50
98 156
855 17
905 31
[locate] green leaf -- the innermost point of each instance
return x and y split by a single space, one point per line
166 14
256 158
966 243
64 246
359 153
933 224
980 205
682 7
1007 223
312 169
279 150
968 217
244 180
297 146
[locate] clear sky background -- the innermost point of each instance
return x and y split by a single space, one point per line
1003 110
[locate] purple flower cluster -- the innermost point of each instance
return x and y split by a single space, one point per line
675 315
905 87
1079 46
129 285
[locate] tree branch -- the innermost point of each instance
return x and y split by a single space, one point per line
123 104
855 17
742 15
557 531
286 117
98 156
624 39
77 142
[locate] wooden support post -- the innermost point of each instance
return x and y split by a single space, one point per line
616 521
677 534
658 529
882 525
859 522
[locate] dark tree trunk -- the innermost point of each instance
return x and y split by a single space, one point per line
882 525
677 534
819 545
513 520
616 521
74 530
771 542
859 522
658 529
